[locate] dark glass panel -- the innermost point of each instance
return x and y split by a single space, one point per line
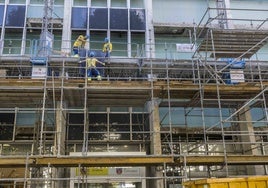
79 17
76 132
118 19
98 18
76 118
2 8
6 132
7 118
119 119
137 19
97 119
15 16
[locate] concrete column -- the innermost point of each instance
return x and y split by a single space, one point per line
247 136
229 24
59 141
66 29
225 14
149 33
155 146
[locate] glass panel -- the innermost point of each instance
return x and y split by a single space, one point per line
25 119
37 2
58 2
137 19
99 3
80 3
12 42
137 119
119 3
16 1
119 119
15 16
57 40
2 1
79 18
118 109
124 148
24 133
119 19
97 119
35 11
98 18
136 4
58 12
6 132
137 41
76 118
75 132
96 42
18 149
119 40
7 118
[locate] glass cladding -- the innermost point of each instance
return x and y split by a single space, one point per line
99 3
119 19
98 18
79 18
2 8
80 3
118 3
137 19
37 1
16 1
136 4
15 16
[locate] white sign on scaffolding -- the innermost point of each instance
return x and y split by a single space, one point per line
185 47
237 76
39 72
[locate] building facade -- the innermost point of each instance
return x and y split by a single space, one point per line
182 96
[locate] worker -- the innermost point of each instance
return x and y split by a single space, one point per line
107 47
79 44
92 70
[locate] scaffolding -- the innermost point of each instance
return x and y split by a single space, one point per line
122 110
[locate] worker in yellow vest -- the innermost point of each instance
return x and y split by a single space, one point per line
79 44
92 70
107 47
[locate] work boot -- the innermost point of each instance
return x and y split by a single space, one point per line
99 77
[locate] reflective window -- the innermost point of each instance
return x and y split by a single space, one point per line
58 2
35 11
99 3
75 132
98 18
2 8
79 18
16 1
15 16
136 4
37 2
80 3
137 19
119 3
118 19
6 126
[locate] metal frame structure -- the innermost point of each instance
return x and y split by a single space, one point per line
177 152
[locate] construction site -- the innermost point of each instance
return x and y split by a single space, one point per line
181 100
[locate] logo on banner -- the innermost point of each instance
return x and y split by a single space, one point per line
119 171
